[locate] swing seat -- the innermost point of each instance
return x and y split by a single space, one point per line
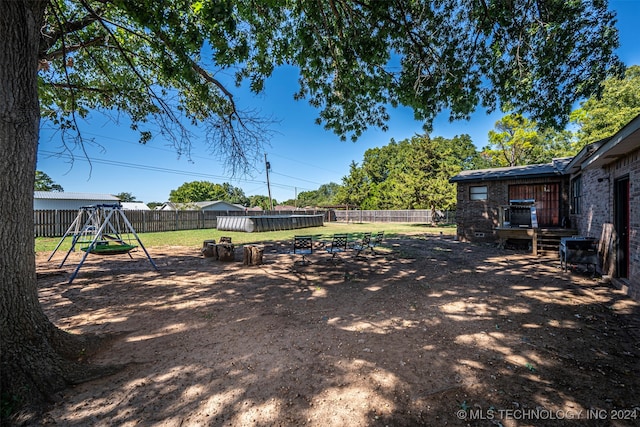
109 249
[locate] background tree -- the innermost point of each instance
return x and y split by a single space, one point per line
367 186
518 141
602 117
325 195
153 205
126 197
156 62
410 174
45 183
422 180
377 165
514 142
305 198
378 162
410 181
234 194
557 144
201 191
355 188
261 201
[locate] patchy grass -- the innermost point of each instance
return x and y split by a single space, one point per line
196 237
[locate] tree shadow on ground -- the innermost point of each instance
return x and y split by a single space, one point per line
431 331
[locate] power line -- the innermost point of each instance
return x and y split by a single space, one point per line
297 179
167 150
137 166
146 146
304 163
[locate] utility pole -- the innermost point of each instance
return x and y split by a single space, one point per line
267 166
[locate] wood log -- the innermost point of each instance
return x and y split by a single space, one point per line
209 249
225 252
252 254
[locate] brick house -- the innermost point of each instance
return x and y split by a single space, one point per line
594 194
605 203
481 193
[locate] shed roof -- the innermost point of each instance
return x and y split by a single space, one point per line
207 203
554 168
65 195
134 206
198 205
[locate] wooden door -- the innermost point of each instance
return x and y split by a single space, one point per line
547 197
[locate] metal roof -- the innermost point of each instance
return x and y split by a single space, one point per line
554 168
134 206
206 203
200 205
64 195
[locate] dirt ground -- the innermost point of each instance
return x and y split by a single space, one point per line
430 331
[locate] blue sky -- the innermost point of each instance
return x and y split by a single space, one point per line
302 155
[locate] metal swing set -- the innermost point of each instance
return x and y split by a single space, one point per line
100 230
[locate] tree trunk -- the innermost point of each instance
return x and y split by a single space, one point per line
209 249
252 254
36 357
225 252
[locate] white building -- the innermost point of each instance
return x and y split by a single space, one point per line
215 205
62 200
134 206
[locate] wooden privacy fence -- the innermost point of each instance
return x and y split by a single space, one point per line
408 215
54 223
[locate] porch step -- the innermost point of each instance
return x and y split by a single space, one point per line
549 239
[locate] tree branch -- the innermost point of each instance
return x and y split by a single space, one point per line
76 87
72 48
133 68
49 39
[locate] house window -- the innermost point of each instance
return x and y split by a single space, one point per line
576 194
478 193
